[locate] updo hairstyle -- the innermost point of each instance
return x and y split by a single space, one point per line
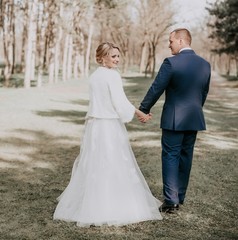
103 50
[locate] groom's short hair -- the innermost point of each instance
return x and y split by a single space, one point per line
184 34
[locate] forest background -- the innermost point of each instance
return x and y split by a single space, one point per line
51 41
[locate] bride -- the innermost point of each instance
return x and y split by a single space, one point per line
106 185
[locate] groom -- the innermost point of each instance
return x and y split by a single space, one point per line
185 78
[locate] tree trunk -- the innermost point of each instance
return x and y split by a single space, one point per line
148 64
236 59
57 46
76 58
45 52
125 64
41 43
6 71
24 37
51 32
90 35
30 39
81 56
153 60
76 65
13 40
69 61
8 39
228 65
51 65
33 56
212 61
143 56
65 57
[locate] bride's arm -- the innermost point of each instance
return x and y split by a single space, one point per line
122 105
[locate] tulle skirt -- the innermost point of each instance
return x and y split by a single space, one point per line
106 185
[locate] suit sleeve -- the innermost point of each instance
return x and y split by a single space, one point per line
206 89
123 107
158 87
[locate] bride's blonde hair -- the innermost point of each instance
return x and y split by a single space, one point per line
103 50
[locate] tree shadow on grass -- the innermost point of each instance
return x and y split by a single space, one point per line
76 117
29 189
36 174
80 102
29 192
73 116
221 115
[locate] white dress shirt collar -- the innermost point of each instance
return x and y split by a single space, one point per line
186 48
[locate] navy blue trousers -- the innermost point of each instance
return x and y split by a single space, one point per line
177 155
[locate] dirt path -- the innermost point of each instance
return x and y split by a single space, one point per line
221 110
53 109
43 109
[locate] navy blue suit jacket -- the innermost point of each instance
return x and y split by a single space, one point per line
185 78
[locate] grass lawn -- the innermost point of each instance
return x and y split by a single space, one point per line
28 198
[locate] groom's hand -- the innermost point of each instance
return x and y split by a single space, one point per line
145 117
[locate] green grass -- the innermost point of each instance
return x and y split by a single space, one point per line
28 196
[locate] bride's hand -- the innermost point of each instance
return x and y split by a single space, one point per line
142 116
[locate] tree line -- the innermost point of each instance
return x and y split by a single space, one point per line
224 31
57 37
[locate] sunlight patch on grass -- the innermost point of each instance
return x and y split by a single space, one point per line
232 105
15 156
220 142
8 152
126 84
189 216
16 133
132 74
205 110
71 141
212 120
196 219
40 164
138 134
140 139
7 165
146 143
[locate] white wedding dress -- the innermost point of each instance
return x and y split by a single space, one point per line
106 185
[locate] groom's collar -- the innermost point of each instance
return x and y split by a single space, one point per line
186 48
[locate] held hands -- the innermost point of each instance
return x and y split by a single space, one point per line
142 117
